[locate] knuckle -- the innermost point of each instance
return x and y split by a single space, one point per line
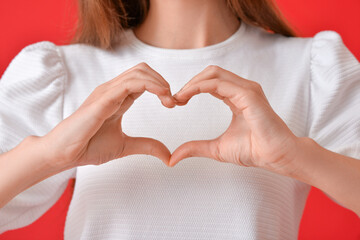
217 81
164 91
126 85
138 73
100 88
257 86
142 65
251 94
213 68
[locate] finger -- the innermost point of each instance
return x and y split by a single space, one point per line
251 103
148 146
208 73
140 71
164 94
116 95
213 71
151 72
219 88
236 97
143 70
156 75
127 103
166 98
202 148
225 100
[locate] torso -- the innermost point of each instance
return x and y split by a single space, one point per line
138 197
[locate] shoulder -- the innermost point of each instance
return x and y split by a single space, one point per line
316 43
331 61
324 50
38 50
326 41
34 61
277 50
328 50
278 42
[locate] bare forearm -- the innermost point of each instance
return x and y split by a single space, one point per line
22 167
333 173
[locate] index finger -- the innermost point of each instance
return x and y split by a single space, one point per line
144 68
214 71
221 89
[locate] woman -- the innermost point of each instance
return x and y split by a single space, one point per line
70 111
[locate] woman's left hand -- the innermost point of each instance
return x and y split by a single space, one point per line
256 136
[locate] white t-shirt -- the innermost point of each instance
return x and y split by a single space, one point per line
313 84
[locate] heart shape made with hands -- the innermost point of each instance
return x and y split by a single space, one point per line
202 117
222 85
256 135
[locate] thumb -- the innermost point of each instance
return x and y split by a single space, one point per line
148 146
203 148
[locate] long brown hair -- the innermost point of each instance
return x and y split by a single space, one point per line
101 22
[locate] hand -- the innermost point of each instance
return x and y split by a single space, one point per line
256 136
93 133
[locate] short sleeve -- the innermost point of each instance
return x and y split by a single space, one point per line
334 116
31 103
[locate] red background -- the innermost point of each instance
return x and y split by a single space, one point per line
25 22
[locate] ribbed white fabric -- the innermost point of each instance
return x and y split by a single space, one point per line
312 83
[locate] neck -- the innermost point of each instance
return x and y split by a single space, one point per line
184 24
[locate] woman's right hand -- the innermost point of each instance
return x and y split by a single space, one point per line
93 133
